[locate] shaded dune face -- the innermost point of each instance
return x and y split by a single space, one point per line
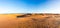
29 20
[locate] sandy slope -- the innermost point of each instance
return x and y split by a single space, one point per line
8 21
29 21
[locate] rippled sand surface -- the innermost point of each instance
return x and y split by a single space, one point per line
29 20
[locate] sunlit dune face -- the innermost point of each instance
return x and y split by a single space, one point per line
8 21
29 21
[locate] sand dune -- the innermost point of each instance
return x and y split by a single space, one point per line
29 20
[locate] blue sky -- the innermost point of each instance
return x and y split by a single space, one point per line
29 6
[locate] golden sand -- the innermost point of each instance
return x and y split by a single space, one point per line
30 21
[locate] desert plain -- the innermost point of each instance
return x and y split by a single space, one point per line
30 20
